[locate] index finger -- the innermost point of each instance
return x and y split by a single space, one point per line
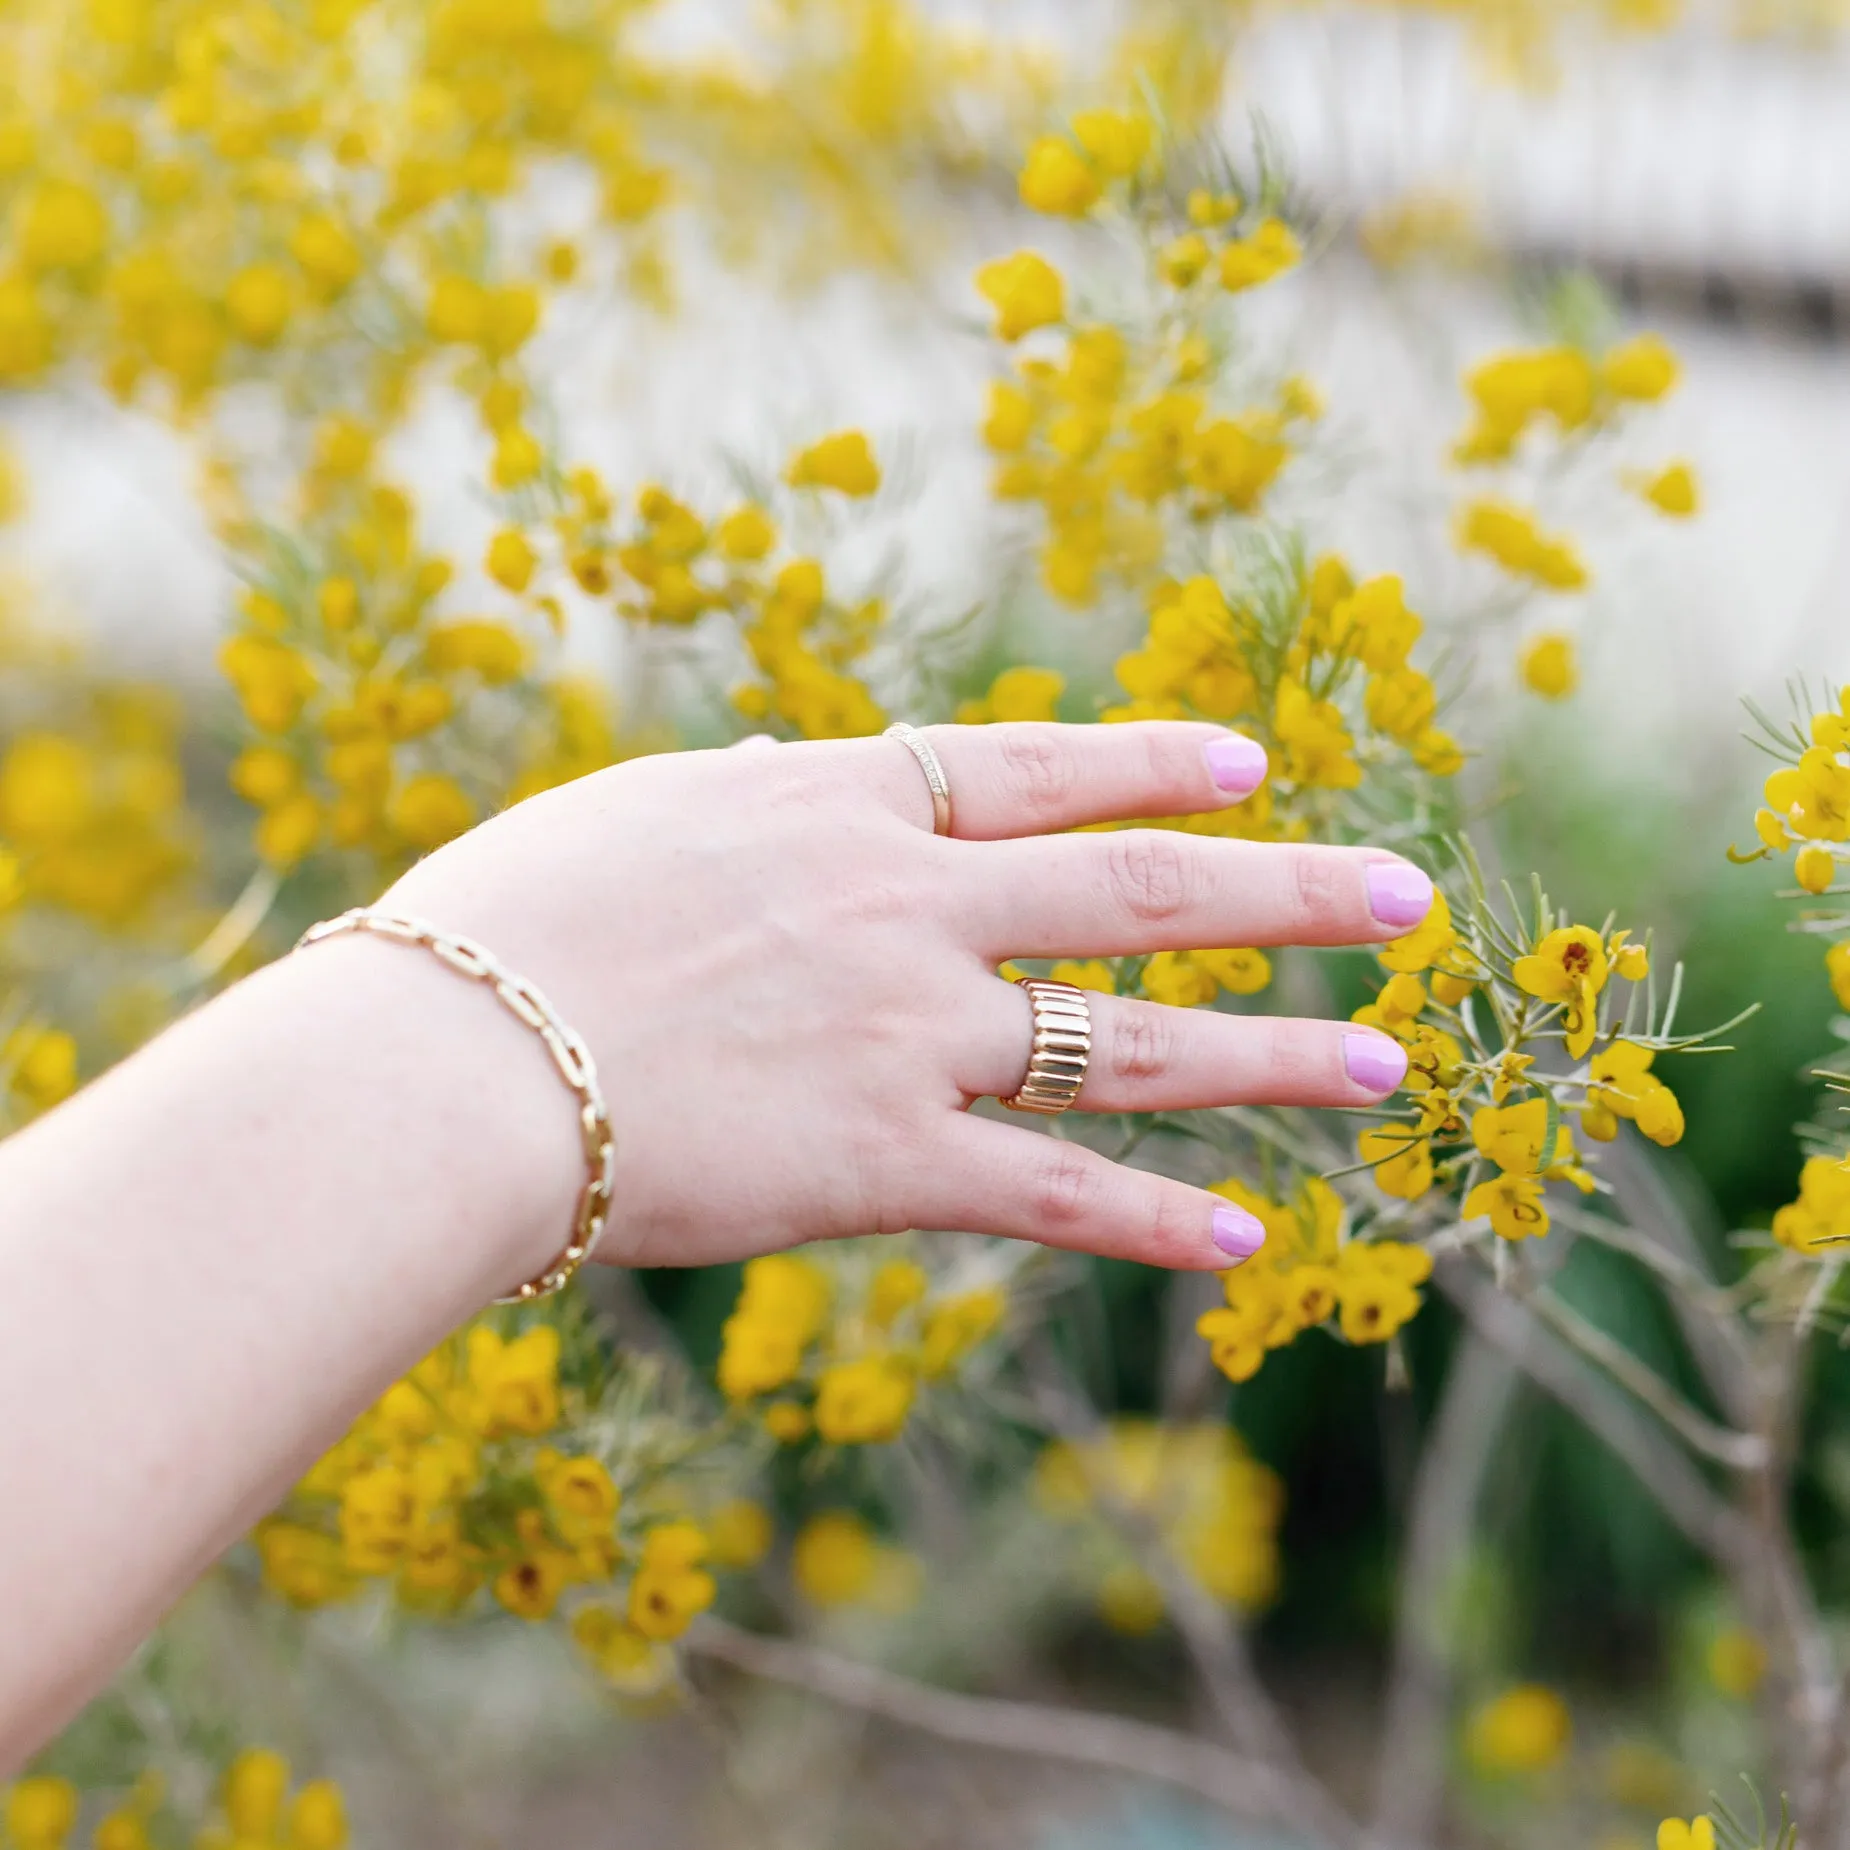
1031 778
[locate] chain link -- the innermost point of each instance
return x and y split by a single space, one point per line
570 1056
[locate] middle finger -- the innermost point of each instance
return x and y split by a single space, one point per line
1134 890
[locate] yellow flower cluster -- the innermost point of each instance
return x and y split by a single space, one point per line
1529 1142
669 567
1315 665
1819 1221
1107 440
257 1811
846 1368
446 1486
1574 392
1307 1276
1216 1508
1808 803
92 815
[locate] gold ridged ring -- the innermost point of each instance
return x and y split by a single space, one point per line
920 747
1060 1050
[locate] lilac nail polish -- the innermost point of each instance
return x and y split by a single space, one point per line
1238 1234
1236 763
1374 1062
1398 893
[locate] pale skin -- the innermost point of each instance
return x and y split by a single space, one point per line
215 1256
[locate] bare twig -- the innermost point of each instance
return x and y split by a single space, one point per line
1246 1788
1215 1645
1680 1490
1740 1451
1411 1768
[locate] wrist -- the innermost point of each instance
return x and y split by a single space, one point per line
483 1119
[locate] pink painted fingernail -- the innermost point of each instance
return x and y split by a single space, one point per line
1374 1062
1238 1234
1398 893
1236 763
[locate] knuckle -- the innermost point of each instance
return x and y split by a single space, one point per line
1040 768
1067 1189
1174 1235
1143 1043
1321 884
1294 1062
1152 873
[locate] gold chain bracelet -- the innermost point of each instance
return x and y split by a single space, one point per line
569 1054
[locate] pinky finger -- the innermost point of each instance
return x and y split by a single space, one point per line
1027 1185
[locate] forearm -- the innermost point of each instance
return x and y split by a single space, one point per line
219 1253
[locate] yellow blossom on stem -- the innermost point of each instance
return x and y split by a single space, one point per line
1057 179
1523 1730
1268 251
1567 967
844 462
1026 292
1549 667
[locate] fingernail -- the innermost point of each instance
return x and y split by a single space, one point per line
1236 763
1398 893
1238 1234
1374 1062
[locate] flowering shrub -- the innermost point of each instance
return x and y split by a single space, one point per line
298 238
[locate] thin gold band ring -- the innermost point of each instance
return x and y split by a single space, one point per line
1060 1050
920 747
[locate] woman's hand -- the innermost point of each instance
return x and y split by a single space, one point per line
788 981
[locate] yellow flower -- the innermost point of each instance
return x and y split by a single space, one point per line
1511 536
1513 1203
1057 179
844 462
511 559
1268 251
431 809
896 1287
60 226
1010 422
1426 944
626 1659
1837 968
786 1422
256 1784
1621 1085
1402 1160
956 1325
1094 974
41 1812
1815 868
1376 1299
580 1494
1526 1729
835 1558
1820 1218
1549 667
1673 491
41 1065
1183 259
317 1817
1644 369
1173 977
1016 694
1696 1833
516 1383
670 1588
740 1533
259 300
1568 967
1240 972
747 535
530 1587
863 1402
1026 292
1116 141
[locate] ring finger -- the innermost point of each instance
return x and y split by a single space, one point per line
1149 1056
